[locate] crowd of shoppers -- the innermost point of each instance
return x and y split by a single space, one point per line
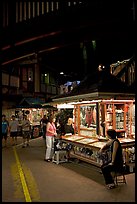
50 127
11 128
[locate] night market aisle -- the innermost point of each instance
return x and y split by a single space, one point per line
26 177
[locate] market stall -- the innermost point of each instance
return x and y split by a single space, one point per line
32 107
101 104
87 149
34 115
35 109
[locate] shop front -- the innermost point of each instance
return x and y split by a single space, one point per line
35 109
34 115
32 107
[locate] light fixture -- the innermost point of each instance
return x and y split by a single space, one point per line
62 73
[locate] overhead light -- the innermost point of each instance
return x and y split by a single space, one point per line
45 75
64 105
61 72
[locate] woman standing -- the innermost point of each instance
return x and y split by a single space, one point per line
50 133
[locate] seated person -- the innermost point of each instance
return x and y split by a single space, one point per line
116 162
69 127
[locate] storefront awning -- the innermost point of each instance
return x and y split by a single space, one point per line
30 103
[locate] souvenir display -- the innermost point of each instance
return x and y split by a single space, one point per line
92 120
87 140
73 138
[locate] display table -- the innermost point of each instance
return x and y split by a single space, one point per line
87 148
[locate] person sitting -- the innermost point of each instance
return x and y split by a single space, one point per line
69 127
116 160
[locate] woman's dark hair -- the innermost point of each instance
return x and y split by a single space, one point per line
112 133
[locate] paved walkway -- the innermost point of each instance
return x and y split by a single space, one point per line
66 182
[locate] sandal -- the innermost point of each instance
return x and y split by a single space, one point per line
110 186
47 160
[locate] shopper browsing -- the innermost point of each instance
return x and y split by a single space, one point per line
69 127
50 133
43 124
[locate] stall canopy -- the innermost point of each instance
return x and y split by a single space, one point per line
35 103
98 85
30 103
49 107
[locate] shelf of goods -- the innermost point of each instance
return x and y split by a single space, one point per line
87 149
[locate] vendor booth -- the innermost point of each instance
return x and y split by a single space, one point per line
35 110
101 104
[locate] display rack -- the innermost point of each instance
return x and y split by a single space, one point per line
119 116
87 149
115 117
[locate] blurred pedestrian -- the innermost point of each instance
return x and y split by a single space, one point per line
58 128
13 129
116 161
43 124
50 134
26 131
5 129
